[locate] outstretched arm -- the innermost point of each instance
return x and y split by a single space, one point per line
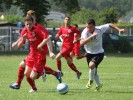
116 27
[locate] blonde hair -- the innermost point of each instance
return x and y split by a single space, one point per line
31 13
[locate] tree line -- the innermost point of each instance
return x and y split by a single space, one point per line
102 10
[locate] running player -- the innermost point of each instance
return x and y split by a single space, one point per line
91 38
67 33
22 65
76 48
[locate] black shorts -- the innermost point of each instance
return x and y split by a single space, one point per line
96 58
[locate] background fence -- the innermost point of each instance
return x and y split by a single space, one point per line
10 34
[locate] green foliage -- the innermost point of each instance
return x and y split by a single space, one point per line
52 24
41 7
12 18
110 15
125 24
123 6
83 15
71 5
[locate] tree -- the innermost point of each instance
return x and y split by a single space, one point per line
41 7
71 5
110 15
6 3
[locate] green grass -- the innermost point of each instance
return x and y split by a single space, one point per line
115 71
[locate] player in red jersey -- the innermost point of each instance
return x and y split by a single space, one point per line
67 33
76 48
36 59
22 65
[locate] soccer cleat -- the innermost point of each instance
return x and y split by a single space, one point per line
59 77
31 90
89 84
98 87
78 75
44 77
62 74
15 86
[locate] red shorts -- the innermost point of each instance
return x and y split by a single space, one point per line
65 52
76 49
36 62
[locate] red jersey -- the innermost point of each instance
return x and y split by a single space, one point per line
67 35
35 37
43 30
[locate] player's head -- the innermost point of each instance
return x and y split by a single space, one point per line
29 22
67 20
32 14
75 25
90 25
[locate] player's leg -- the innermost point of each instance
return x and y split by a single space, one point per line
31 82
20 76
92 69
58 61
57 74
98 60
73 67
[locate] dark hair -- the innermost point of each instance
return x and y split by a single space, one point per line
91 21
68 17
76 25
28 18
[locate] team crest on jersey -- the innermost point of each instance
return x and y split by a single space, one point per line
33 33
69 31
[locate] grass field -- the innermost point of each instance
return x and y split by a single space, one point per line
116 74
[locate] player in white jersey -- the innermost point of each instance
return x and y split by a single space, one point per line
91 38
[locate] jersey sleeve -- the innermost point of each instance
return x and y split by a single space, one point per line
60 31
40 34
76 33
43 30
83 34
22 32
104 27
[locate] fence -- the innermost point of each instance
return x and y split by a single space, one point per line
10 34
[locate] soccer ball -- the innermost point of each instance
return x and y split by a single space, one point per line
62 88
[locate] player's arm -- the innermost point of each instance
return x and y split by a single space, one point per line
21 34
14 44
116 27
85 41
58 34
50 49
76 36
43 43
22 41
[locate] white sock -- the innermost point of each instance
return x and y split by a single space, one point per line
97 80
92 74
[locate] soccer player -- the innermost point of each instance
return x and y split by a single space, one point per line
76 48
22 65
36 59
91 38
67 33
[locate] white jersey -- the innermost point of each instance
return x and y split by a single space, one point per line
94 46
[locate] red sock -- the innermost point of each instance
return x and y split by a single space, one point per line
31 83
80 57
59 65
50 71
73 67
20 75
